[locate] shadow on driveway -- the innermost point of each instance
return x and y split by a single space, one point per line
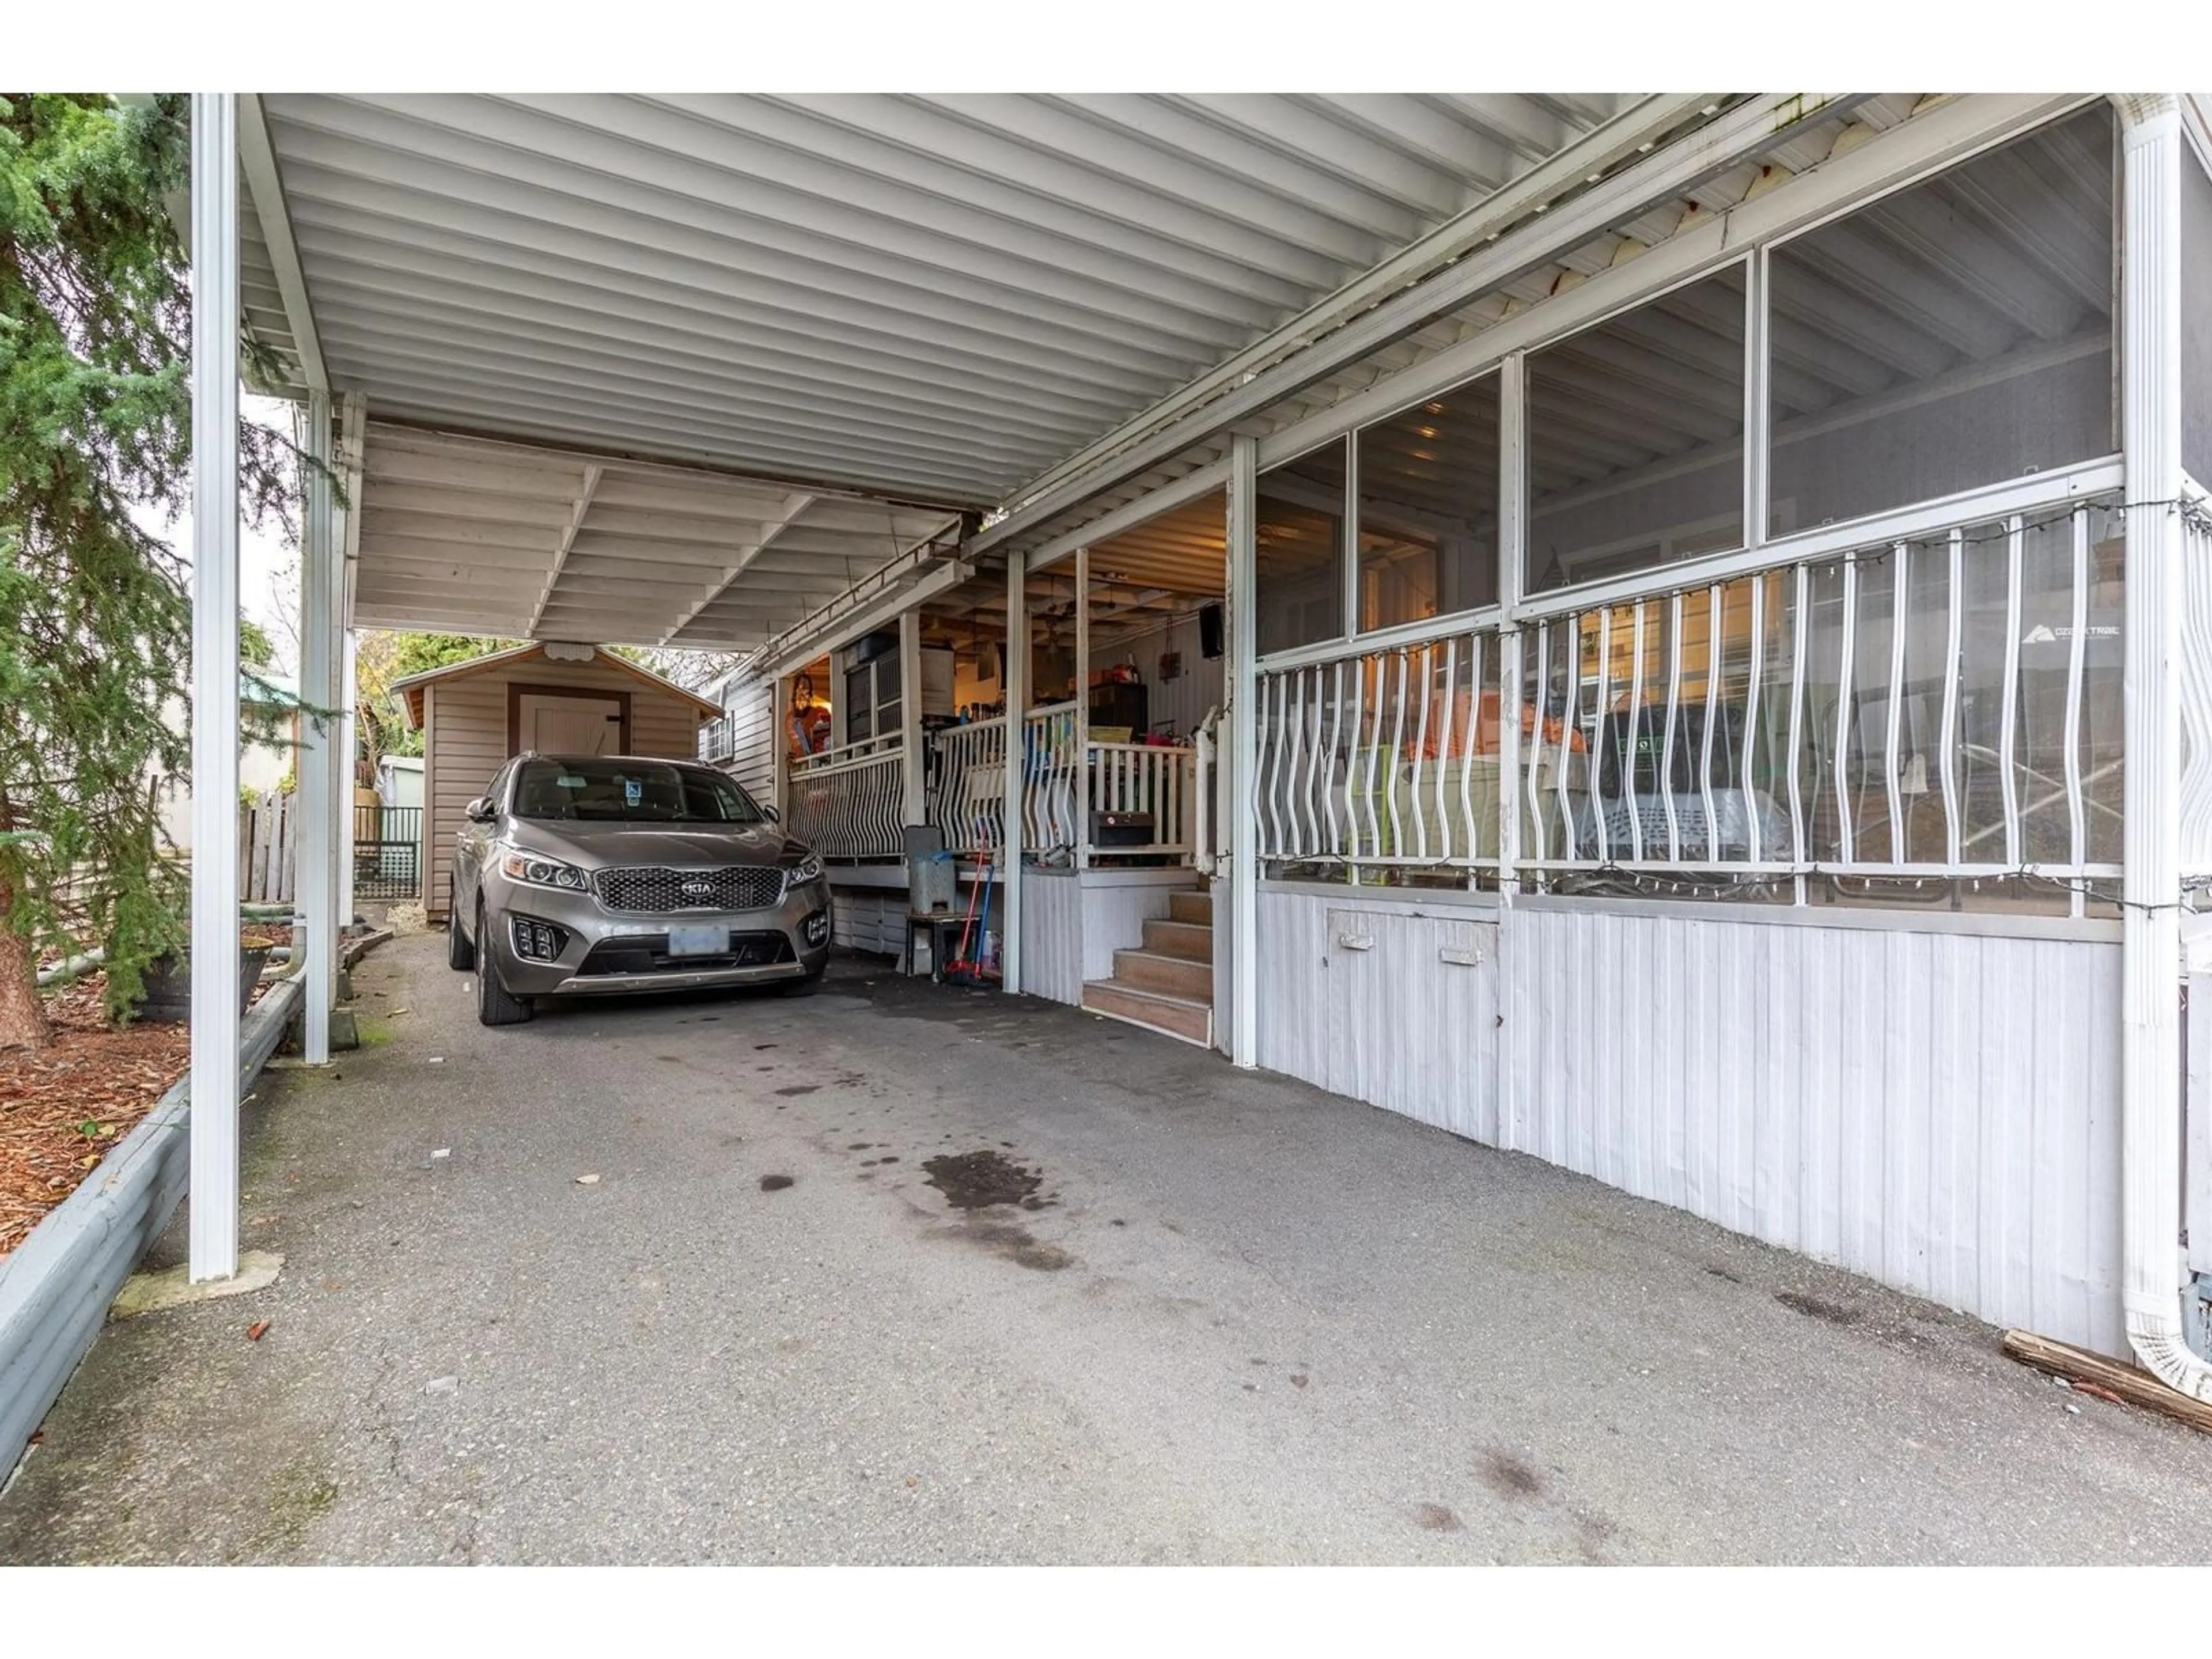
904 1273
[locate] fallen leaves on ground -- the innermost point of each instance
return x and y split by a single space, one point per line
62 1109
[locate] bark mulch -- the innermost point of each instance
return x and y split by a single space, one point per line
62 1109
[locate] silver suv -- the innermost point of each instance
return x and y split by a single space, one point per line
585 873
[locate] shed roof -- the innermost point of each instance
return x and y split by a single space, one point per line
412 688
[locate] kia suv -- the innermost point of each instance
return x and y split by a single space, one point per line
584 874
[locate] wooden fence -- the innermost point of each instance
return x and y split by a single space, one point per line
267 840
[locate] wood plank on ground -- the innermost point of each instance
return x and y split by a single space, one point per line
2135 1386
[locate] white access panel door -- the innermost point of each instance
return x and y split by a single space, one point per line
1413 1017
570 725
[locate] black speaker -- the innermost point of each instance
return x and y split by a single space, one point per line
1209 630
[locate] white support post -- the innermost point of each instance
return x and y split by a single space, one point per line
2150 444
1757 444
346 552
1512 568
348 746
1017 680
915 805
1244 754
323 785
780 746
214 956
1083 707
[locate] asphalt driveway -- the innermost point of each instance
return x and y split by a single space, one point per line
1235 1319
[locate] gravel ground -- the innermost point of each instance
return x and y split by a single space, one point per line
1247 1321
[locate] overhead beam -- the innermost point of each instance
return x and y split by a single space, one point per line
592 475
792 506
257 159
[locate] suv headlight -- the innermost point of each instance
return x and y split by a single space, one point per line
807 869
539 871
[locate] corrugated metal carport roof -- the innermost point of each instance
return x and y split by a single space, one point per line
526 542
936 297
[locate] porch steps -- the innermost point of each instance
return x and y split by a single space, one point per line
1174 1016
1165 985
1175 976
1190 940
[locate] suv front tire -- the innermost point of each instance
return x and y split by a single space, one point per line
496 1006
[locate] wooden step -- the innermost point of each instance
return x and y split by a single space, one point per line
1174 1016
1175 976
1186 939
1195 907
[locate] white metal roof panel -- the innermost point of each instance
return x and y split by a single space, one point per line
466 534
933 298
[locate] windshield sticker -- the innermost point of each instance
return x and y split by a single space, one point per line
633 791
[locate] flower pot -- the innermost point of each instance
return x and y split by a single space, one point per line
169 995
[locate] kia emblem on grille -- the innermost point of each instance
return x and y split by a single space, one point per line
698 890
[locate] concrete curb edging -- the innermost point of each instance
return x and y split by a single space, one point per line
56 1288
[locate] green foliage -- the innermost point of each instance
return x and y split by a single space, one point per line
255 649
95 416
382 658
418 654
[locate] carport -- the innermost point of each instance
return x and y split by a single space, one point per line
766 374
733 372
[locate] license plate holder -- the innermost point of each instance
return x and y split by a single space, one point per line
699 940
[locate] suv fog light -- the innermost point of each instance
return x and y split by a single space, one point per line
816 928
537 941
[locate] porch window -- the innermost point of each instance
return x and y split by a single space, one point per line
1636 438
1428 508
1299 530
1955 334
2195 320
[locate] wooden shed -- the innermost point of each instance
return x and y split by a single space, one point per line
559 699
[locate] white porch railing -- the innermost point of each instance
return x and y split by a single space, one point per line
1942 707
1052 786
850 804
967 803
1063 782
1150 782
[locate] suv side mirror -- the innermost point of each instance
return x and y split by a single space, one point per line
481 810
769 813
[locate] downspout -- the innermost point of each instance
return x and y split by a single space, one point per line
2150 442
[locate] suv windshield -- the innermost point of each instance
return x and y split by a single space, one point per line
630 792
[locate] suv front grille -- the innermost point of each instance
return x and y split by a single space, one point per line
655 890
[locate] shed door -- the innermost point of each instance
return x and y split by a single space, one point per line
570 725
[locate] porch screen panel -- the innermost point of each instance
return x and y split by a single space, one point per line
1955 334
1636 438
1299 567
2197 322
1428 508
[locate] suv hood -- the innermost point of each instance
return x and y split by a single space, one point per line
608 846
